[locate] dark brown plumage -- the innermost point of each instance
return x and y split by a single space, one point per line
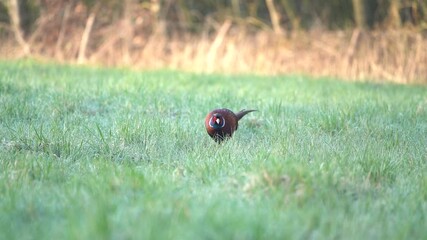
222 123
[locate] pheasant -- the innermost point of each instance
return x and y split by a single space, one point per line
221 123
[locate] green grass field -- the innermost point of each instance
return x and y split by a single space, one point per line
90 153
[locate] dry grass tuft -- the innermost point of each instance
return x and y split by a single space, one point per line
386 56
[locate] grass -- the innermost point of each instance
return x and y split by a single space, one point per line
91 153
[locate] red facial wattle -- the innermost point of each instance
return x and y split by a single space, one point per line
216 122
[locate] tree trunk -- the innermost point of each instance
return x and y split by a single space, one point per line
128 30
86 35
359 11
235 5
274 16
393 14
62 30
253 8
160 9
292 15
15 18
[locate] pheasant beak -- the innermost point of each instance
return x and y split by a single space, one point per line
217 120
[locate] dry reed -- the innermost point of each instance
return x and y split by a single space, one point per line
386 56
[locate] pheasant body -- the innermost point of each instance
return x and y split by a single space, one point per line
222 123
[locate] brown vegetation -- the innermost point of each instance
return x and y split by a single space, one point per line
155 34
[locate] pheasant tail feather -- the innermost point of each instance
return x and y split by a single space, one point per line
243 113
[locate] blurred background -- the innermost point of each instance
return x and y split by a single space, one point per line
382 40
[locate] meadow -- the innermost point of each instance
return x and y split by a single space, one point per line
95 153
